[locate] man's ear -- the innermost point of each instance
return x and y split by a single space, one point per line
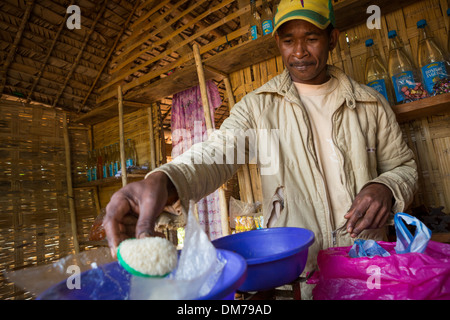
334 38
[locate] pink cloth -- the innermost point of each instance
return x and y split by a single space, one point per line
188 128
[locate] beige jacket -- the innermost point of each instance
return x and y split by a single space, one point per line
365 132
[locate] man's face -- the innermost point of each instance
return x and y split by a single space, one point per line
304 49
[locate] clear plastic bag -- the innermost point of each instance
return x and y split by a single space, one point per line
199 267
37 279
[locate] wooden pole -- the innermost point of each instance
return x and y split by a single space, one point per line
152 139
244 172
123 169
209 126
73 219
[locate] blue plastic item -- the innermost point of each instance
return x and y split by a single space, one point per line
274 256
112 282
367 248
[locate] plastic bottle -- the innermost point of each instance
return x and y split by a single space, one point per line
105 162
430 57
130 155
94 175
267 19
255 21
99 164
110 161
89 166
401 70
116 158
375 72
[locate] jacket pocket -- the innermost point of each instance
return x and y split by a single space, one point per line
275 206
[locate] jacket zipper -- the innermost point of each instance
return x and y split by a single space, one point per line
326 204
340 157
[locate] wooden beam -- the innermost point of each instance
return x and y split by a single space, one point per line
209 126
70 196
105 62
44 62
123 168
121 74
151 75
151 139
145 37
80 53
12 51
148 14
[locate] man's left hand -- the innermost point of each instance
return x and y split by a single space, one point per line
370 209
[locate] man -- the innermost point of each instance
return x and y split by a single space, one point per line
342 166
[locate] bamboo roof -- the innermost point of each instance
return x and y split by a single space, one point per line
143 45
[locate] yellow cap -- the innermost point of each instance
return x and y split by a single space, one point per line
318 12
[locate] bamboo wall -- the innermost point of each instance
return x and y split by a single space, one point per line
34 213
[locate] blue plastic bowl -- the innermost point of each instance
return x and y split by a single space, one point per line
274 256
112 282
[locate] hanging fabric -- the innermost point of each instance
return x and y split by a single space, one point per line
189 127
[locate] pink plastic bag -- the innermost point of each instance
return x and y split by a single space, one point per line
416 276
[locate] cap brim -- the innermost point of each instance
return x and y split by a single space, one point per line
316 19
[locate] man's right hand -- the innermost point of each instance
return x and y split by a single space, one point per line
133 210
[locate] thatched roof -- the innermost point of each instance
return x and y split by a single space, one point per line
78 70
135 44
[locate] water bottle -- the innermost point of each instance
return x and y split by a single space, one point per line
130 154
255 22
100 164
267 19
402 71
89 166
116 158
431 58
111 161
376 75
94 175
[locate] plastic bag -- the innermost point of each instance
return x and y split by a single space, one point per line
406 242
399 276
37 279
199 267
367 248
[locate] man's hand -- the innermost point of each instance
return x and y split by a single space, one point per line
370 209
133 210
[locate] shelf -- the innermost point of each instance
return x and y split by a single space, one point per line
422 108
108 181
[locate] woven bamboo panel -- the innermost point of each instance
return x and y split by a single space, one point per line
34 215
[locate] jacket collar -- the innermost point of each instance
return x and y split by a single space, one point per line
350 90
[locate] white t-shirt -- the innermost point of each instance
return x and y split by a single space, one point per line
320 102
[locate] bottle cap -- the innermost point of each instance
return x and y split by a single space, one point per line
392 34
369 42
421 23
448 11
